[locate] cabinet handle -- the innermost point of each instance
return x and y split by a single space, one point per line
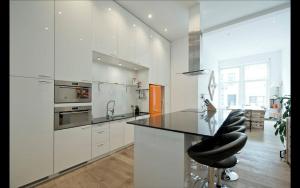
100 132
100 145
43 81
44 76
83 128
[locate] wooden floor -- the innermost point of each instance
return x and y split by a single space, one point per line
259 167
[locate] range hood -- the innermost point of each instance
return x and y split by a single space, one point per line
195 42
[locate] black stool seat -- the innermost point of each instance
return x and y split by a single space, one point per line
234 121
216 149
229 129
225 163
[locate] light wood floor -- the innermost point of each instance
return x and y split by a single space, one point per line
259 167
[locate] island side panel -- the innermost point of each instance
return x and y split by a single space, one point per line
158 158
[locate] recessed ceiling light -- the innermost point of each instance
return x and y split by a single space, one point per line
46 28
98 58
109 9
59 12
81 39
149 15
134 25
165 29
120 64
151 36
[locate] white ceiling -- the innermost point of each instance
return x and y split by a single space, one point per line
264 34
173 15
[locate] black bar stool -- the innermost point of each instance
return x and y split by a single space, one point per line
218 152
234 121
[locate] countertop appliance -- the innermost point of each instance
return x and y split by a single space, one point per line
72 92
73 116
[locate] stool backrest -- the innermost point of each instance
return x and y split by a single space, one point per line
219 148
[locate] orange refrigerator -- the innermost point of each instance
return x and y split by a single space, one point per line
155 99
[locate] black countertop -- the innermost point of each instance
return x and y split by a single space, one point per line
189 121
117 117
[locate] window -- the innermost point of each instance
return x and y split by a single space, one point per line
244 84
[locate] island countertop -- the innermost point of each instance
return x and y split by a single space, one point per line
189 121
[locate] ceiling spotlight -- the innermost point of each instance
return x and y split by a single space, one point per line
98 58
165 29
134 25
149 15
151 36
109 9
120 64
59 12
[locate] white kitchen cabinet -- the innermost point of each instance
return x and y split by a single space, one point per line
116 134
128 132
73 40
71 147
142 44
32 38
126 35
31 129
104 20
100 139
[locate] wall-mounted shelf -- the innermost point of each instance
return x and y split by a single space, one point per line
142 93
114 83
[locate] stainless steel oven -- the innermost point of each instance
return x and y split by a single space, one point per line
73 116
72 92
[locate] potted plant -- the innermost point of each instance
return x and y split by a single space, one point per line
281 123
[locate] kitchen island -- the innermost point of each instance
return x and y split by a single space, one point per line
161 142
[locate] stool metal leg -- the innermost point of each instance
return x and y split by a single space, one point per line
211 177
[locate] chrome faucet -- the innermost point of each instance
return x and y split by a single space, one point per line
112 110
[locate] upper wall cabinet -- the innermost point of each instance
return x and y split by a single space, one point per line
142 44
32 38
126 35
104 20
73 40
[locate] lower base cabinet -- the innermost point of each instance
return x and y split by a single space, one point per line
71 147
100 139
116 134
128 132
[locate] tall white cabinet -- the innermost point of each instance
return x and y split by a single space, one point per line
31 90
31 129
73 40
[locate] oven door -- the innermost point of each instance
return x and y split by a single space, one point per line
72 94
68 119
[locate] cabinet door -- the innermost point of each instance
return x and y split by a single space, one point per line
116 135
142 44
31 129
32 38
128 132
156 56
100 139
104 20
73 40
126 35
71 147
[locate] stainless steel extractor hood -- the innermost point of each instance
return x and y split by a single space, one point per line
195 42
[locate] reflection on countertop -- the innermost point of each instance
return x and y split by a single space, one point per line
189 121
117 117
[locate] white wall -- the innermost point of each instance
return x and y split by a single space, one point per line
260 36
142 76
184 89
102 93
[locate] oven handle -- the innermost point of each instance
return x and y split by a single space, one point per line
75 87
65 113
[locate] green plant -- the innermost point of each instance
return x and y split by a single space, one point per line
280 125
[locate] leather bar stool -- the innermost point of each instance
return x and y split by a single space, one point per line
229 174
218 152
234 121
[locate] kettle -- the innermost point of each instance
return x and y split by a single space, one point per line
137 110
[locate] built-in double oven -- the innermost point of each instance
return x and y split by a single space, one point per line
77 114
